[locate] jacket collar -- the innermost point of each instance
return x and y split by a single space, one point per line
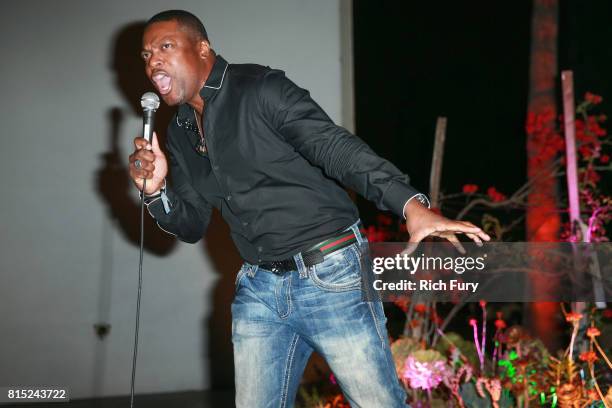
215 78
184 117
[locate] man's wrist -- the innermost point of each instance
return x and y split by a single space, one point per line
418 199
155 194
159 195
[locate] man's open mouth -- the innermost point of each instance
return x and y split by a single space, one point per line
163 82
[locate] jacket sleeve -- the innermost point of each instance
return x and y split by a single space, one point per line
341 155
189 213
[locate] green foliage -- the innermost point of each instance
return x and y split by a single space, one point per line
428 356
310 399
467 348
401 349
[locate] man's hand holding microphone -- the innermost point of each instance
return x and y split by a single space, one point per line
148 162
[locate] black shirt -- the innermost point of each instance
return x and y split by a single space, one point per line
273 163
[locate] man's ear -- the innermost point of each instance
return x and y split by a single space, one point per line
204 49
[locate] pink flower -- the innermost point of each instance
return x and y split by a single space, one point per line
425 375
332 379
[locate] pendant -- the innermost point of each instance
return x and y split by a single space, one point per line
201 148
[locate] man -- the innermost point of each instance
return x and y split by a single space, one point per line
248 141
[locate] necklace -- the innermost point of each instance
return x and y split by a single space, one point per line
201 146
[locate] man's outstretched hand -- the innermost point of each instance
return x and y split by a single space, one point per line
421 222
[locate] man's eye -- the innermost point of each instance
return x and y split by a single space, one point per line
145 56
167 46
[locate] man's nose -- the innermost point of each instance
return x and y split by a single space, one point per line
155 61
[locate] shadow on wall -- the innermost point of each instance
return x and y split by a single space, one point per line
115 187
113 183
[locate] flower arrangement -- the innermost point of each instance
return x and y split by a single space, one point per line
506 366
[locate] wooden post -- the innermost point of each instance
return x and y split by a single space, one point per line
542 219
571 160
434 199
567 78
436 162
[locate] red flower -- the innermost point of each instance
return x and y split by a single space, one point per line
376 235
592 98
483 303
500 324
420 308
473 322
437 319
593 332
604 158
402 304
573 317
591 176
495 195
588 356
586 151
607 313
470 188
383 219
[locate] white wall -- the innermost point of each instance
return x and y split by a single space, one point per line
69 257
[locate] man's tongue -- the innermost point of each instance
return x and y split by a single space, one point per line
162 82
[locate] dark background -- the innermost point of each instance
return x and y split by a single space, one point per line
468 61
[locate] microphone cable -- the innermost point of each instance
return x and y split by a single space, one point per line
142 196
149 102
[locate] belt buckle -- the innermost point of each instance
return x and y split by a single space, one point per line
277 268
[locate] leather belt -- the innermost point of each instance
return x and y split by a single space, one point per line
314 255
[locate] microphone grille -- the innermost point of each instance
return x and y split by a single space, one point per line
149 101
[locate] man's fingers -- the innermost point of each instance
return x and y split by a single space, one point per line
410 248
480 233
465 228
413 243
475 238
452 238
141 143
146 166
143 156
417 237
455 241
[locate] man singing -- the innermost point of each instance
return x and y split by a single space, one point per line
250 142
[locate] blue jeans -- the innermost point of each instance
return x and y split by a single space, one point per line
277 321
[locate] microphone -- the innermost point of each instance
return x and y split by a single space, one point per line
149 103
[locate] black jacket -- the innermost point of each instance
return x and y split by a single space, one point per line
273 161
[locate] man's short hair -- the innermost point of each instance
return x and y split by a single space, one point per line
184 18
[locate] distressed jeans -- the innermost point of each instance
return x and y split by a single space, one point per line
277 321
